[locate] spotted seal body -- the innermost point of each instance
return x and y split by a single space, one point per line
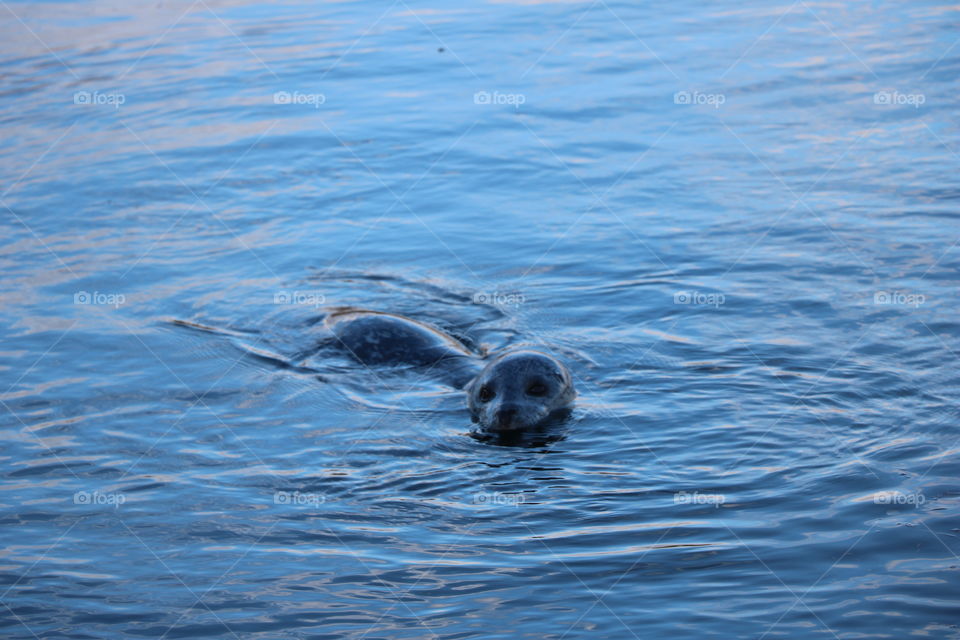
376 338
509 391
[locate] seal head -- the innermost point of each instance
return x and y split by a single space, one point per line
520 389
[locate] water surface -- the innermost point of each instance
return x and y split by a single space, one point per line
735 223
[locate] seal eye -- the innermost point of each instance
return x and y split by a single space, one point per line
485 395
537 389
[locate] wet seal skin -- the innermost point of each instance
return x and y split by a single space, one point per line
510 391
520 389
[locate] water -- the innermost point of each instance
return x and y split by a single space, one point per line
736 224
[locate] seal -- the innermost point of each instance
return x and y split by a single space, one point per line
520 389
511 390
377 338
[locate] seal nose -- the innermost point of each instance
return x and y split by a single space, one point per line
505 416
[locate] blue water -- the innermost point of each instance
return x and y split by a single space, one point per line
736 223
